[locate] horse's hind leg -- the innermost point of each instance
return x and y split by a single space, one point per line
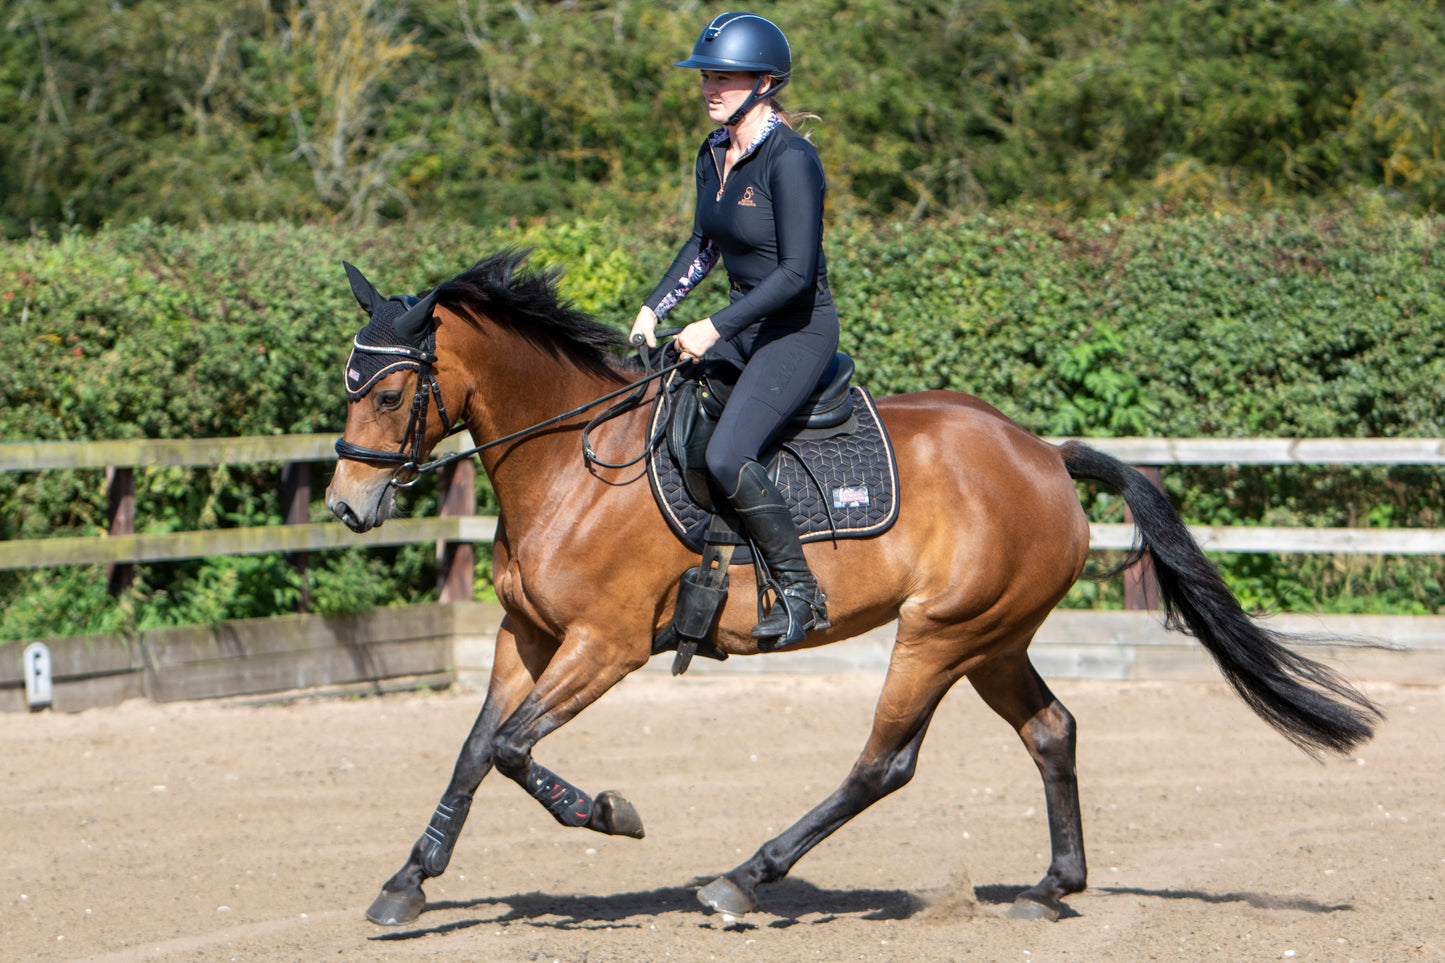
1014 690
515 670
911 693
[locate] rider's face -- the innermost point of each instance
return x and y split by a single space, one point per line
725 91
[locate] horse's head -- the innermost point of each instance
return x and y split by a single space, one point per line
395 413
513 351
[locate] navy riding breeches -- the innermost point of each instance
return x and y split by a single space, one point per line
783 367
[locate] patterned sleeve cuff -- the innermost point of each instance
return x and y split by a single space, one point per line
690 279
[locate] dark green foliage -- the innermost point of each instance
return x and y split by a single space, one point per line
368 111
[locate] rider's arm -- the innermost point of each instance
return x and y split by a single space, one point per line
697 257
693 262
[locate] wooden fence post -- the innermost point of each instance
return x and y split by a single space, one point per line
1141 588
120 513
456 561
296 507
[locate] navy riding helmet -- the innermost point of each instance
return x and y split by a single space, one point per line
743 42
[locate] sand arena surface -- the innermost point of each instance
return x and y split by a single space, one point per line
207 831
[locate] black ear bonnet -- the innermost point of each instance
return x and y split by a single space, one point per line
398 337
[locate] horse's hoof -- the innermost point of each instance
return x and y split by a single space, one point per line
615 816
394 909
725 896
1027 909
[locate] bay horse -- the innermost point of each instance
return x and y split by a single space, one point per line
990 536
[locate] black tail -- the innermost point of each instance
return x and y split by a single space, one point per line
1308 703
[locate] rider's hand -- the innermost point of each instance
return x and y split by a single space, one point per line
696 340
645 325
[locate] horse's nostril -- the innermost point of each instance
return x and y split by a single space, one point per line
343 511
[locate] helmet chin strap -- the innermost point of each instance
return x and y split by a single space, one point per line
757 95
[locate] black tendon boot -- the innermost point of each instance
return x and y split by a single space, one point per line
800 605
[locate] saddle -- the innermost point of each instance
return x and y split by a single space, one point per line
698 404
834 465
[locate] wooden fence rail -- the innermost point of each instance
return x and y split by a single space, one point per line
121 549
1163 452
459 526
174 546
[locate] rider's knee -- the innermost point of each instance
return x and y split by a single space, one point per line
723 465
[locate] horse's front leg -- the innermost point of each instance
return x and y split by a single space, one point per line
586 666
515 669
534 691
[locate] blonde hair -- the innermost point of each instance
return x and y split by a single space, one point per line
793 118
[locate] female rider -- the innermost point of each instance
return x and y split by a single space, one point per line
760 193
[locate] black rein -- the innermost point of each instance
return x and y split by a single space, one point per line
426 385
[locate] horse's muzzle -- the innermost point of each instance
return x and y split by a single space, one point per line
360 503
348 517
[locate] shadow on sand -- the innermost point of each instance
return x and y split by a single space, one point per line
787 901
791 902
1264 901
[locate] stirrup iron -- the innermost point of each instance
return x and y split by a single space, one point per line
804 609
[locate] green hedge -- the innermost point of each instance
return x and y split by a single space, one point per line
1207 325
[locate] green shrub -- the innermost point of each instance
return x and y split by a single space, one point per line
1175 326
368 113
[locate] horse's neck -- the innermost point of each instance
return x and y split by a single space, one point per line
530 474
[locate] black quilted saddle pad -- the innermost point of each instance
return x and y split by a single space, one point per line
852 491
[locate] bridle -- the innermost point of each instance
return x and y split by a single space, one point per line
427 388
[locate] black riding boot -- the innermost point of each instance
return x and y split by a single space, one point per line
768 521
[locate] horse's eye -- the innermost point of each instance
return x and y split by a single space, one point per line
388 399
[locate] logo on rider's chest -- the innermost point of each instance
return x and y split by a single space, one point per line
747 199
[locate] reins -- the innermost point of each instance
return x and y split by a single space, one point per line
427 385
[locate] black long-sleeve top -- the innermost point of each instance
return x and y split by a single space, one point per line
766 223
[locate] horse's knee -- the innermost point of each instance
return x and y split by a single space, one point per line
509 754
879 777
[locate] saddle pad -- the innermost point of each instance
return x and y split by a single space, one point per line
857 472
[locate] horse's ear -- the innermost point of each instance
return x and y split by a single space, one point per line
412 326
368 296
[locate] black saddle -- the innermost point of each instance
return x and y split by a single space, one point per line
829 406
698 403
841 481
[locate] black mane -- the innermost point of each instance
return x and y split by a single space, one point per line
528 303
